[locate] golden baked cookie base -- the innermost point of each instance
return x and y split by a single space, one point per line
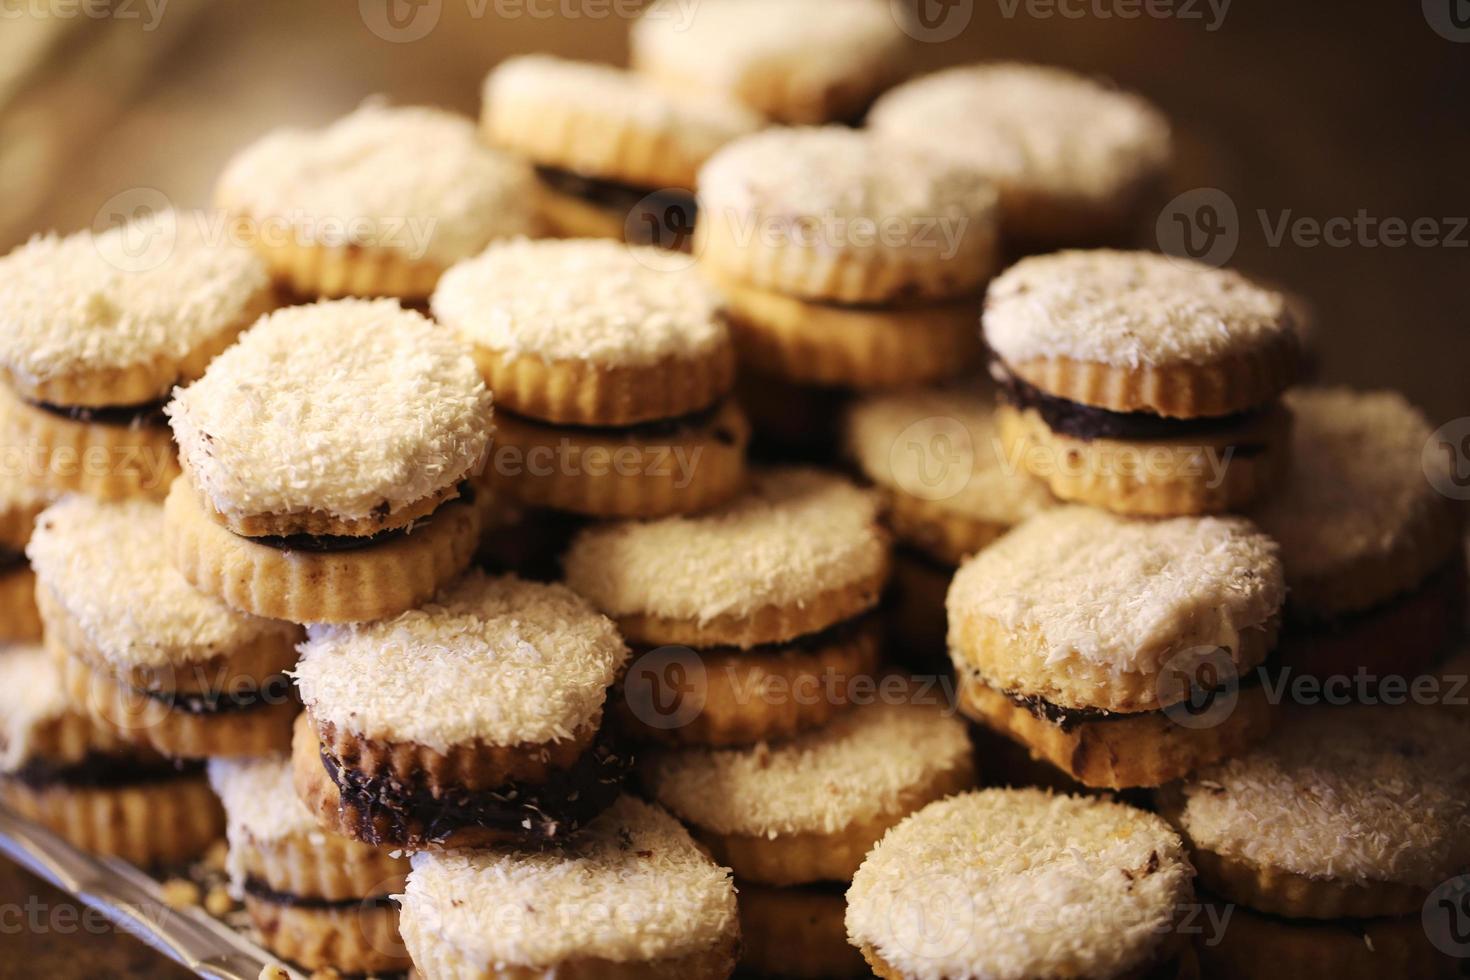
325 867
259 730
766 694
1150 478
358 940
165 822
110 462
1018 661
790 94
1144 749
800 859
466 766
853 347
569 216
731 246
372 582
1183 965
434 956
581 392
310 271
20 621
16 524
578 469
795 932
764 625
944 534
146 381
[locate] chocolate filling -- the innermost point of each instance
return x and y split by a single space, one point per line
533 812
328 543
10 560
273 690
655 216
259 890
98 770
126 416
1088 422
642 431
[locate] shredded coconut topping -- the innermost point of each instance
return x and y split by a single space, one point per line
104 563
1360 794
414 180
341 407
261 805
631 887
498 660
845 185
864 765
1030 126
943 445
1009 884
1356 488
600 301
31 695
159 287
794 535
721 44
1128 309
1123 594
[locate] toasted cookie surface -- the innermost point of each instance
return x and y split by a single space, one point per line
356 409
988 864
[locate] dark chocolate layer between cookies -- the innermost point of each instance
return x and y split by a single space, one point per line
259 890
102 771
662 216
327 543
143 415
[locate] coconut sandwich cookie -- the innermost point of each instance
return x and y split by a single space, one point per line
847 261
1140 383
379 203
630 897
615 156
794 820
759 609
611 366
813 62
1375 563
1012 884
1077 161
144 653
514 749
87 785
1341 824
948 491
96 328
319 900
20 502
328 461
1122 652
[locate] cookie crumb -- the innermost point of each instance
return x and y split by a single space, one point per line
218 902
179 893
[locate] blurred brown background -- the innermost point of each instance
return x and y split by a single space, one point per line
1297 110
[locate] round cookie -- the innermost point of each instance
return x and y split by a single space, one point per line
82 782
379 203
809 809
1142 383
20 502
832 215
1018 883
812 62
603 140
143 652
315 899
1077 161
770 591
1373 556
1354 812
95 328
1124 652
311 450
630 897
474 719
